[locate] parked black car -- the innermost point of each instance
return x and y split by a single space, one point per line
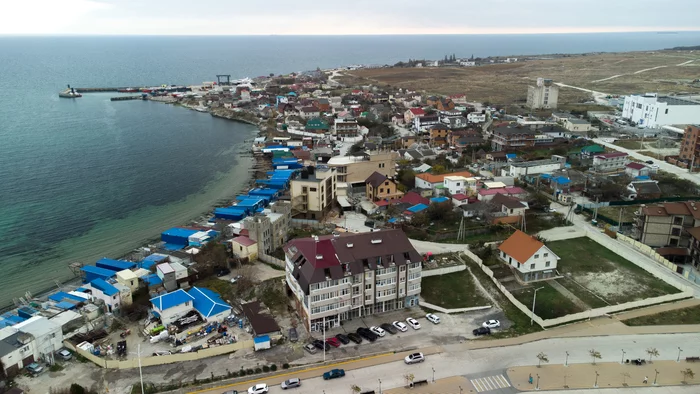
482 331
367 334
293 336
320 345
343 339
390 328
355 338
223 271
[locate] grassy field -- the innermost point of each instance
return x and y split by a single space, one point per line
679 316
604 273
629 144
614 212
550 303
507 83
456 290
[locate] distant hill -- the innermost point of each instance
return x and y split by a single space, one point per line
693 48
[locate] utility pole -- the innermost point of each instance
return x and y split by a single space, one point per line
534 297
324 339
619 221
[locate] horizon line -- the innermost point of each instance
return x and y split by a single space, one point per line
658 31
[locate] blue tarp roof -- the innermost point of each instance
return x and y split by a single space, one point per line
230 213
152 279
511 155
439 199
561 180
150 260
545 176
104 287
642 178
61 296
97 271
114 265
417 208
171 299
207 302
5 323
172 246
66 305
179 232
14 319
392 220
261 339
263 192
285 160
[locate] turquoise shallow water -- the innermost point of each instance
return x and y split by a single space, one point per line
86 178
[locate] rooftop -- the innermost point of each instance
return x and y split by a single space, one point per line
508 202
527 164
520 246
172 299
430 178
676 101
243 240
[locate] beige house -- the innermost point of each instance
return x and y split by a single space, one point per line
244 248
338 278
666 224
378 187
356 169
577 125
314 192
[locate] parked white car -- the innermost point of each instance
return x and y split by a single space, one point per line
413 323
433 318
414 358
491 324
258 389
378 330
400 326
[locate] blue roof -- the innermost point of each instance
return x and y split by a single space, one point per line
104 287
179 232
439 199
261 339
642 178
417 208
511 155
61 296
150 260
152 279
207 302
545 176
171 246
562 180
66 305
114 265
392 220
171 299
97 271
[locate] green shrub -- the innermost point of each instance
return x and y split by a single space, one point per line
285 366
242 373
249 371
258 370
266 368
273 367
234 374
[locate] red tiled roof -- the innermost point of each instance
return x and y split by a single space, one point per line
417 111
430 178
520 246
414 198
381 203
635 166
505 190
243 240
460 197
611 155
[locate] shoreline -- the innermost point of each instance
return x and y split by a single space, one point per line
243 168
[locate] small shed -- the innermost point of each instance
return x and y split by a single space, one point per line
262 342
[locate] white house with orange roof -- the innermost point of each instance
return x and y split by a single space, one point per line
528 257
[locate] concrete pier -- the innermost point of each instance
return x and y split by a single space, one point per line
123 98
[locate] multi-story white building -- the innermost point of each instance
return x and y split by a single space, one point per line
544 95
610 162
36 339
652 110
337 278
346 128
534 167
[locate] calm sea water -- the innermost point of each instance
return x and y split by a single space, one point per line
86 178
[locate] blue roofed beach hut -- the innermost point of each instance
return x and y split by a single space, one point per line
114 265
90 273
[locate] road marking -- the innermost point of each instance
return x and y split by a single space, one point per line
489 383
330 366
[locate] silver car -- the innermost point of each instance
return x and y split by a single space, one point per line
291 383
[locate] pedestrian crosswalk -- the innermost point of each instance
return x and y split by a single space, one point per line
489 383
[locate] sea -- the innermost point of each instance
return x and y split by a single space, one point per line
86 178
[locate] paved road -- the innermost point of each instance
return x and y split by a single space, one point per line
680 172
458 360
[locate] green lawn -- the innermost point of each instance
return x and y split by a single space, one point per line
550 303
627 144
613 212
604 273
452 291
679 316
584 295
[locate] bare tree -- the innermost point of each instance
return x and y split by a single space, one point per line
409 379
625 375
355 388
688 374
595 354
652 352
541 358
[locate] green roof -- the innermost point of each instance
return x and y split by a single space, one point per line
593 149
316 124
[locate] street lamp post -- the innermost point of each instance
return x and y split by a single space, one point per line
460 389
623 357
380 386
537 386
656 376
566 363
595 385
534 298
433 375
679 354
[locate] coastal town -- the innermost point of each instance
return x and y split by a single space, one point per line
385 225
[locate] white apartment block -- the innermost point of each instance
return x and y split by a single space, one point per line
610 162
337 278
544 95
653 111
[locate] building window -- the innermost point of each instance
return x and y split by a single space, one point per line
676 231
304 189
537 256
532 266
546 264
313 189
677 221
666 112
381 190
368 286
546 254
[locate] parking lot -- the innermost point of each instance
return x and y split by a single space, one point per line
452 329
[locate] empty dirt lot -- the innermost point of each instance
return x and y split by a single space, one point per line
612 73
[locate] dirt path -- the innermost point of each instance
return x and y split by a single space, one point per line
569 295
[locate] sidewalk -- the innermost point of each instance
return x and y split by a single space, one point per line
609 375
652 310
442 386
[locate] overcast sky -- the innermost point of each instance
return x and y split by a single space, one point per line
319 17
